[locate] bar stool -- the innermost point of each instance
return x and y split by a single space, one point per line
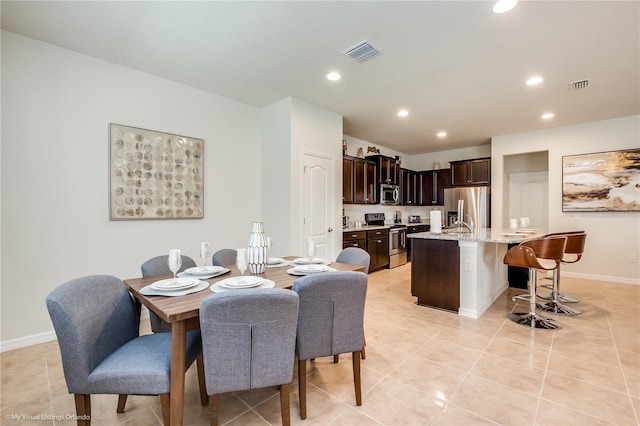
572 253
544 253
570 259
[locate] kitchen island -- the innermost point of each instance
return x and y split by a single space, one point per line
460 272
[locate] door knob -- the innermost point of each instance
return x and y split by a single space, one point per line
330 230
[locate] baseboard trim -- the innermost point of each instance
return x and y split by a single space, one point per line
47 336
22 342
607 278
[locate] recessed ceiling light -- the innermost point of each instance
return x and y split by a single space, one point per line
536 79
333 76
441 134
547 116
503 6
403 113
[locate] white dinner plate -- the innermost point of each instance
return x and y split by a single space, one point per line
293 271
219 288
311 269
175 283
274 260
512 234
204 270
242 282
307 261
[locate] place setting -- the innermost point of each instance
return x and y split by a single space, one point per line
310 264
178 285
242 282
275 262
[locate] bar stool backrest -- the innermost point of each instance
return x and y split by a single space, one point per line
543 253
575 245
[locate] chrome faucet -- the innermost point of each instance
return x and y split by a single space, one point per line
470 226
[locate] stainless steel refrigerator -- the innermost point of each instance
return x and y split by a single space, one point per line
476 205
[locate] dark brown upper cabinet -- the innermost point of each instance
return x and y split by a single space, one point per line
471 172
387 169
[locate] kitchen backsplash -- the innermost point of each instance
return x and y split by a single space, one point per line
356 212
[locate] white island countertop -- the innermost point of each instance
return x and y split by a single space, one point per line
484 235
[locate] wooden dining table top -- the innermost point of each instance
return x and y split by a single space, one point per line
179 308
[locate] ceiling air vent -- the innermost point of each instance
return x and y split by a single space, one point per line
579 85
362 51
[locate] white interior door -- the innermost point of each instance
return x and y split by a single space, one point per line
318 204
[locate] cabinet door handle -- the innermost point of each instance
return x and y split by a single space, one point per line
330 230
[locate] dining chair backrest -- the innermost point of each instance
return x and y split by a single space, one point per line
92 316
355 256
248 339
331 316
224 257
158 265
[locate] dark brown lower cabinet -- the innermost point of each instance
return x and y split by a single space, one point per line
378 249
435 273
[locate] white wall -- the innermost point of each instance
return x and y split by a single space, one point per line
317 131
56 108
276 174
611 236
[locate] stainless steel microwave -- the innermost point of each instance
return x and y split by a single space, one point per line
389 194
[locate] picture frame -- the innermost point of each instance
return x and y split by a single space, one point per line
601 182
154 175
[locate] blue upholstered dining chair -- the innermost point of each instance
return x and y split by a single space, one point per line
248 342
330 322
97 325
355 256
360 257
224 257
158 266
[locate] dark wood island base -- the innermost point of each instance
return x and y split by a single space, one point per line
435 273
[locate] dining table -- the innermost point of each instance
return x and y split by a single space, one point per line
182 313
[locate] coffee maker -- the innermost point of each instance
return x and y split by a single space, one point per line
397 218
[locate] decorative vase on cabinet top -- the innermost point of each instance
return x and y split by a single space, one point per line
257 250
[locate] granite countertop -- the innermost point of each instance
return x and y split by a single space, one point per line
485 235
352 228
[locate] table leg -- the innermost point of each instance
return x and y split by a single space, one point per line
178 355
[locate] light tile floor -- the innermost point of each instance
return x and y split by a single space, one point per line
423 367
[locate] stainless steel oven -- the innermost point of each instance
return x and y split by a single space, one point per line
397 245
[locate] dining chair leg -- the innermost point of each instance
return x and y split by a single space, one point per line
302 387
204 398
165 404
213 409
364 343
83 409
336 358
285 410
356 377
122 401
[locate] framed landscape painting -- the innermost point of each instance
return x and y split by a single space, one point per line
601 182
154 175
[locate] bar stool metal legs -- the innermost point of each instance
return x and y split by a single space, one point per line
554 305
531 319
